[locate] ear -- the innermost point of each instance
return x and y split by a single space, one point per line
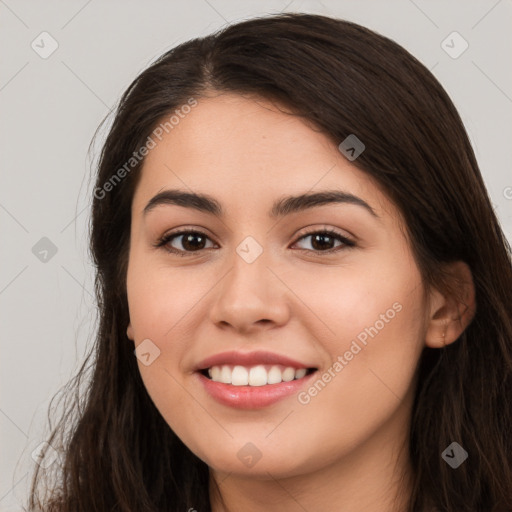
129 332
451 312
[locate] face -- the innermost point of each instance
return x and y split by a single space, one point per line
321 300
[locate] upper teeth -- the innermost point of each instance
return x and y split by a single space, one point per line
254 375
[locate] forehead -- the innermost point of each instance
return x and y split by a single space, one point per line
243 150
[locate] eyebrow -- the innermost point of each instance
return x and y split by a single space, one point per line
282 207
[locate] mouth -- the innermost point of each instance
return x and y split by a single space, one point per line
252 380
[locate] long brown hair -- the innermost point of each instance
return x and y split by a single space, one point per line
118 452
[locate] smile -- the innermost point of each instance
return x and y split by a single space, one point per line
252 380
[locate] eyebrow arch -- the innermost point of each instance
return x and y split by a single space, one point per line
282 207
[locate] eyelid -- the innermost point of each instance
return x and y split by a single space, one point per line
325 229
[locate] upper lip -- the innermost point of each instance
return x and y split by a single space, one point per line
249 359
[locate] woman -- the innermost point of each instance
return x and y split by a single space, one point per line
304 292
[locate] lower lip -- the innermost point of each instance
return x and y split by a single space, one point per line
252 397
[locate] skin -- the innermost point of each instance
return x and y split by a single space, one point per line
343 450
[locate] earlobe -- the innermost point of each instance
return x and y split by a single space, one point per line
129 332
451 312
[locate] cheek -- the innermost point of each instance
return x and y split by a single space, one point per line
160 298
354 300
368 319
161 306
374 353
165 307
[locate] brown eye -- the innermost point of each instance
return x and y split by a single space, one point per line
184 241
325 241
193 241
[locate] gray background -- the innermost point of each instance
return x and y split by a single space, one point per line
51 108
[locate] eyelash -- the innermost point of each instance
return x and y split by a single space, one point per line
165 239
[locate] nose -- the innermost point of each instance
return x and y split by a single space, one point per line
250 297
